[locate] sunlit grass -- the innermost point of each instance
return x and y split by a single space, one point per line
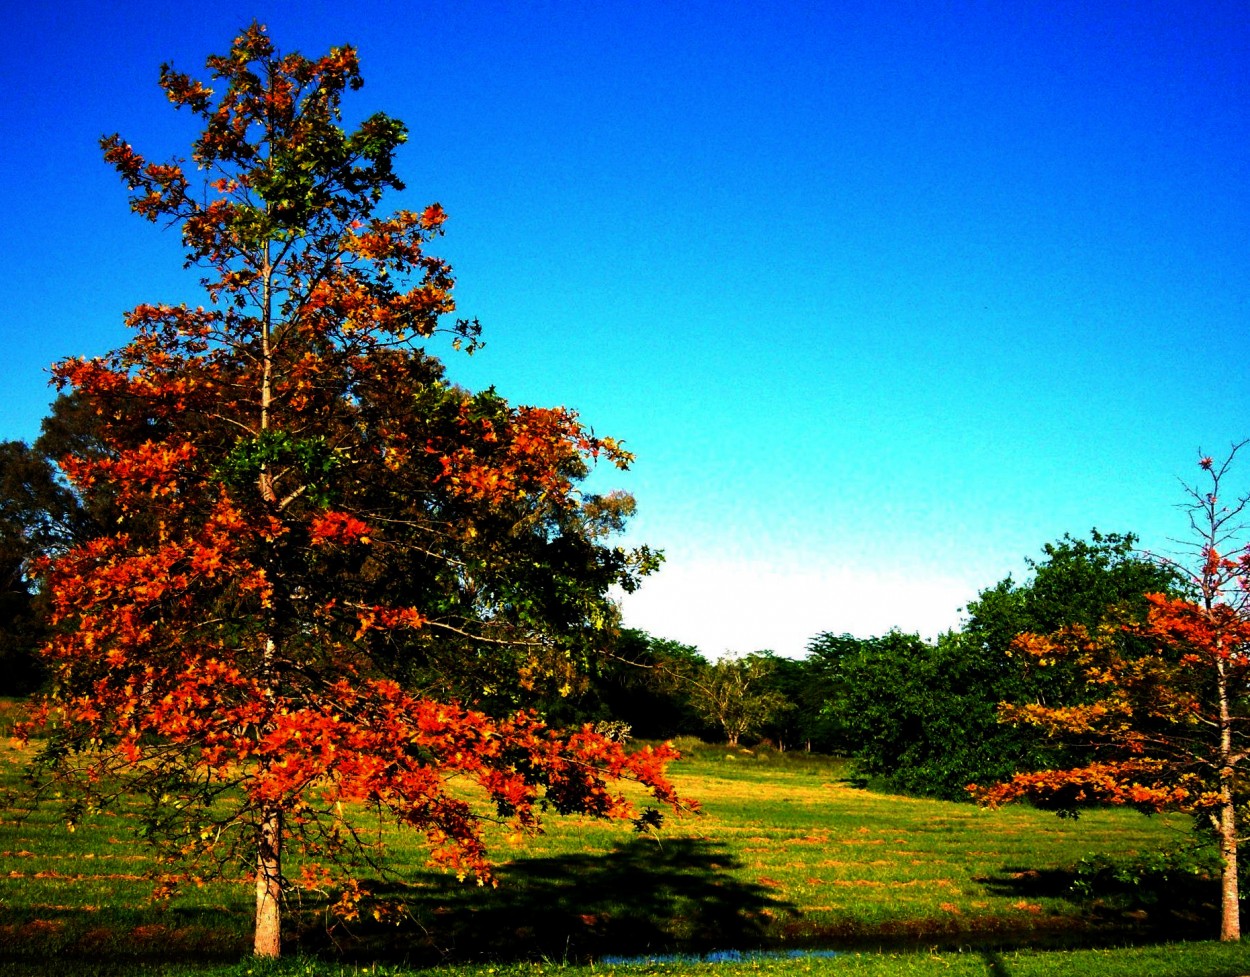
788 853
844 862
1167 960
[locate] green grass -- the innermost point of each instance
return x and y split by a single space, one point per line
788 854
1163 960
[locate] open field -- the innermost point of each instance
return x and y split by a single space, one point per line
788 855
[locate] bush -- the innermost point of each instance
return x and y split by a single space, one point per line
1137 882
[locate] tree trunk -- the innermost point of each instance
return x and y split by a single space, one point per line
1230 907
268 937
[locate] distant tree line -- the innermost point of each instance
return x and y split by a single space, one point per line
919 715
40 516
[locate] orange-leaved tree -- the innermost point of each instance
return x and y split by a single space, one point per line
334 577
1168 699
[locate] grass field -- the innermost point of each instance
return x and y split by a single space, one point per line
789 855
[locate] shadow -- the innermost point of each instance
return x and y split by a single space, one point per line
642 897
1030 883
1181 907
52 941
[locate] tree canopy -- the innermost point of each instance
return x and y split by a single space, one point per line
1166 715
924 715
334 577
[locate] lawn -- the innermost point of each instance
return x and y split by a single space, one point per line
789 855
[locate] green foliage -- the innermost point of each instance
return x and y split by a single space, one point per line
639 684
823 695
1076 582
736 694
312 457
1131 883
924 715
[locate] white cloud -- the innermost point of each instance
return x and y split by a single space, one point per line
742 606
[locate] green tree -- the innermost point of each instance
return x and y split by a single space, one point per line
40 516
822 687
641 683
925 715
1075 582
734 694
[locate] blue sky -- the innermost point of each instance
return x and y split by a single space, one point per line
883 296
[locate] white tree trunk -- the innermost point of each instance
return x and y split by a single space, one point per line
268 937
1230 906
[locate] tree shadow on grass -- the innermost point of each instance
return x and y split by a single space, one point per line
1176 907
641 897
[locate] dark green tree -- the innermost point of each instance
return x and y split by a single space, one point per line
924 715
1075 582
22 628
39 516
823 682
641 684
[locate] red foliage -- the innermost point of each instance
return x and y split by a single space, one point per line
1147 702
310 516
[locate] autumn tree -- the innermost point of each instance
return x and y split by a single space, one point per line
334 577
1168 710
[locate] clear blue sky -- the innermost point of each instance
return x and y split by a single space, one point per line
883 295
